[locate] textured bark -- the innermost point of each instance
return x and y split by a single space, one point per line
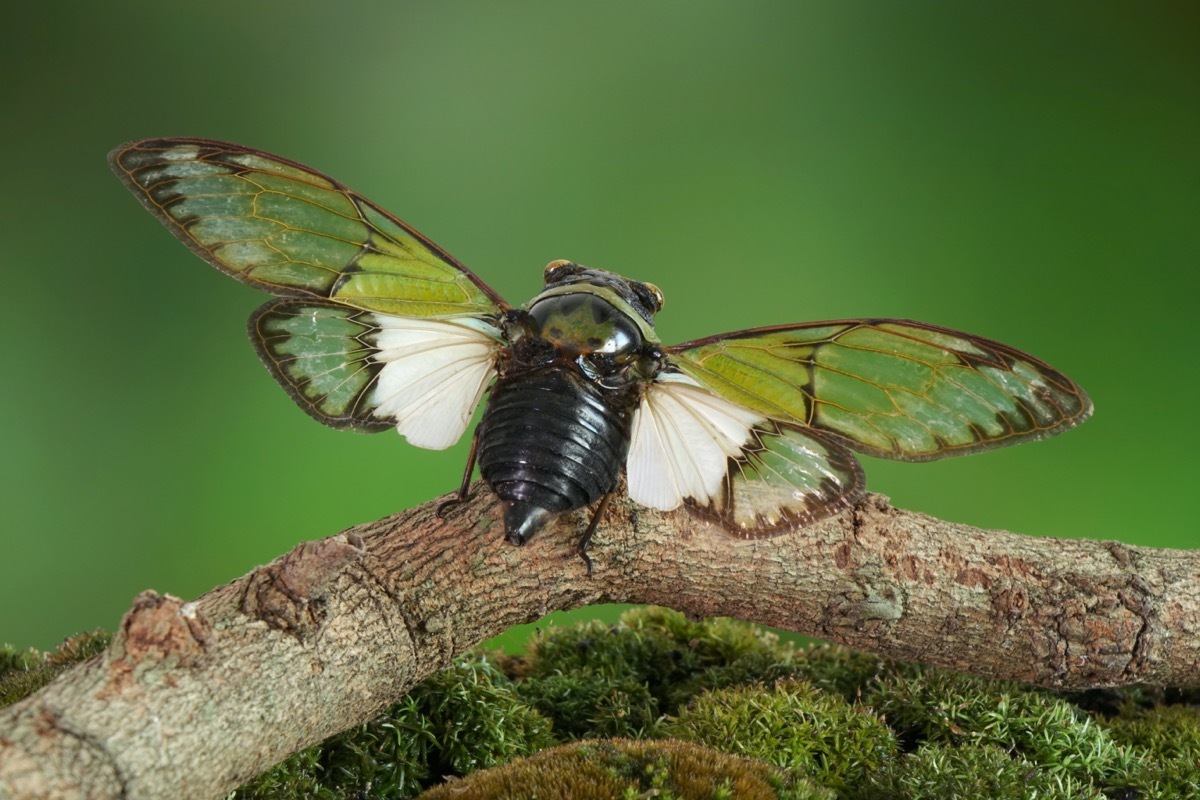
194 698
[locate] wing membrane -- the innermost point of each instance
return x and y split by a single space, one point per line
784 478
681 441
755 476
890 388
323 355
281 227
370 372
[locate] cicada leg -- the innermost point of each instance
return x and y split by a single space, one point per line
464 489
591 528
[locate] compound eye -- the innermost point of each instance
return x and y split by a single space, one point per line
657 294
556 270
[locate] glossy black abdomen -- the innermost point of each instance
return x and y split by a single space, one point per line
552 441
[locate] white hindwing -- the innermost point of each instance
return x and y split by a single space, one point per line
683 437
434 374
755 476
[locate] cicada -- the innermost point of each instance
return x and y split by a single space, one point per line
375 327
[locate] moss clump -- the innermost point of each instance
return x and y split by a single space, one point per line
23 673
1156 779
12 659
946 771
1165 731
792 725
593 706
460 720
617 769
1169 738
833 668
301 775
597 680
942 707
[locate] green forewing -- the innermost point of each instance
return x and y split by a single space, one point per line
282 227
322 355
891 388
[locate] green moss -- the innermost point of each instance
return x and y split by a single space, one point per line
1165 731
593 706
792 725
834 668
462 719
623 769
946 771
1169 737
945 707
23 673
1157 779
301 775
598 680
12 659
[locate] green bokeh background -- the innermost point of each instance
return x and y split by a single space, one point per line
1029 172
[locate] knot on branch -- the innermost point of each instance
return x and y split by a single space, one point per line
159 633
289 594
1107 627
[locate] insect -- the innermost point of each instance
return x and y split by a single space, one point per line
376 327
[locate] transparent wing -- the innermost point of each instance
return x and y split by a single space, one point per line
783 479
755 476
284 228
368 371
891 388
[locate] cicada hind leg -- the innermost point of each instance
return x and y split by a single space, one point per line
591 528
464 489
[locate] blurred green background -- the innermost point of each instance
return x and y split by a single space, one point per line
1029 172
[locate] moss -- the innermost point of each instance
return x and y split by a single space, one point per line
12 659
23 673
834 668
1165 731
617 769
1169 737
792 725
301 775
462 719
1157 779
599 680
593 706
944 707
946 771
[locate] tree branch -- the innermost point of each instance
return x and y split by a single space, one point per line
194 698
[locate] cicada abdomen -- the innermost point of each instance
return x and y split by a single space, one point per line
552 441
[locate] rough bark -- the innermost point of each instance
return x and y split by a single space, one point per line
194 698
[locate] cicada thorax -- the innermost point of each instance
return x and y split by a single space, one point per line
556 427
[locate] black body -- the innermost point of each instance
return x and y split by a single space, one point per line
552 440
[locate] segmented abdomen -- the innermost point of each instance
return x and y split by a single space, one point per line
552 438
